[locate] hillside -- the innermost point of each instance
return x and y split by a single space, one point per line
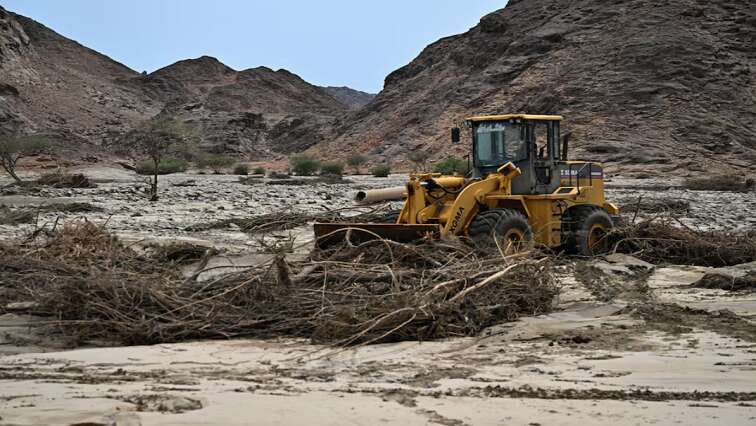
643 85
54 85
354 99
668 84
252 112
86 101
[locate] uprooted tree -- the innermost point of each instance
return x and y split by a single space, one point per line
155 139
15 147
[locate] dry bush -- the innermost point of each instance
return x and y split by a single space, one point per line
74 207
663 240
65 180
376 292
179 252
285 220
732 183
10 216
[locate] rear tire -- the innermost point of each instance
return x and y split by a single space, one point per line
509 228
588 227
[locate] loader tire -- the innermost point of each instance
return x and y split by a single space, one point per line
588 227
392 216
501 229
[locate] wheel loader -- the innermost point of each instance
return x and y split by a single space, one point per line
521 190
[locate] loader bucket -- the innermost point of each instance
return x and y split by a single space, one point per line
328 234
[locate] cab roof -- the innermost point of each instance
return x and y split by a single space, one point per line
511 116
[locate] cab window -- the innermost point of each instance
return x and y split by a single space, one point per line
497 143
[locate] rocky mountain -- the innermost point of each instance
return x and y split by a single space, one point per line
257 112
51 84
354 99
86 100
667 85
670 83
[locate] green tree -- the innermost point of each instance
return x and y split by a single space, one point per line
355 161
382 171
241 169
304 165
451 165
155 139
14 148
332 169
215 162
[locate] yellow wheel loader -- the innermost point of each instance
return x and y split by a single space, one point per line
521 190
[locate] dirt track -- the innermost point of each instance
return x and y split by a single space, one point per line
654 350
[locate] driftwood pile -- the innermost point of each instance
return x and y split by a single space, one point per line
282 221
664 240
95 288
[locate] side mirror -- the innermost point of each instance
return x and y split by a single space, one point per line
566 146
456 135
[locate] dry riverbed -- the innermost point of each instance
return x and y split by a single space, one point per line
657 349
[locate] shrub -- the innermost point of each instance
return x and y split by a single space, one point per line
332 168
258 171
732 183
304 165
451 166
418 157
241 169
355 161
381 171
166 166
65 180
215 162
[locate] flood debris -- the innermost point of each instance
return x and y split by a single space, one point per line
286 220
730 182
179 252
663 240
65 180
9 216
26 215
98 289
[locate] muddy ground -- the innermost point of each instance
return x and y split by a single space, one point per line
650 346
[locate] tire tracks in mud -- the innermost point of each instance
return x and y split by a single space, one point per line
671 318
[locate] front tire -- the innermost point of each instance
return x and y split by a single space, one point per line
589 227
505 229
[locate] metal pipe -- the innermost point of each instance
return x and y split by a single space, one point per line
377 195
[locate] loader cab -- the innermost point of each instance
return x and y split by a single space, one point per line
531 142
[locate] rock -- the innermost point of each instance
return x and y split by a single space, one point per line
733 278
628 261
182 404
611 268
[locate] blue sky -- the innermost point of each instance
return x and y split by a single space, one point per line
327 42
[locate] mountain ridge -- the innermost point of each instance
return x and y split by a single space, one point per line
641 84
86 101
